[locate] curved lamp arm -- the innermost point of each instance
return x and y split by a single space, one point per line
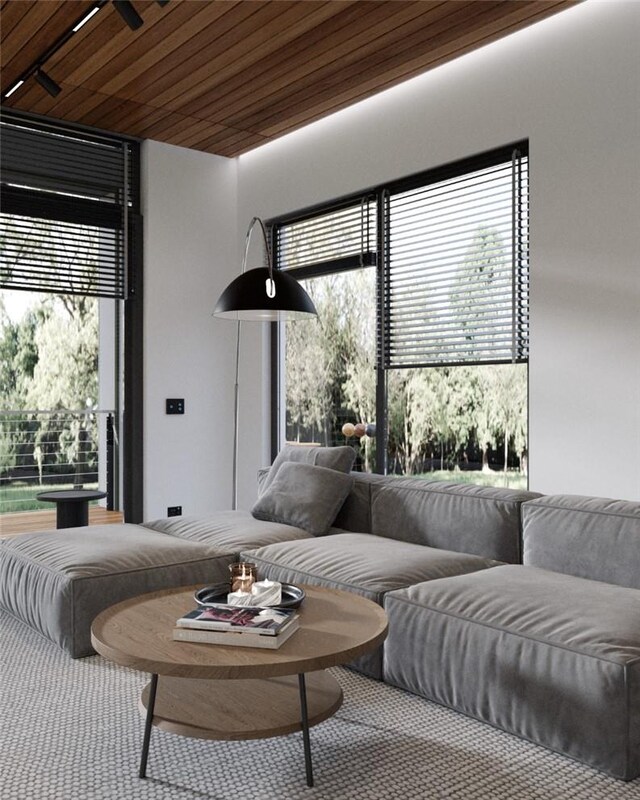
271 286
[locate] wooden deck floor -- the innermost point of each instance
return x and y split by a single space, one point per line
32 521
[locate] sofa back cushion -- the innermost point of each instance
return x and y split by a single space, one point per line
338 458
355 514
590 537
304 496
468 519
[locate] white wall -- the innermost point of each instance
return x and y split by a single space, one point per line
189 209
570 85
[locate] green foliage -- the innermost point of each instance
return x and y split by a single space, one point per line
49 362
437 415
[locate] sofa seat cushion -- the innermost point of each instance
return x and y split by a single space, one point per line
360 563
58 581
227 531
549 657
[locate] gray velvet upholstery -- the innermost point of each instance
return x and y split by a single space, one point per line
338 458
360 563
58 582
549 651
227 531
549 657
355 514
590 537
466 518
304 495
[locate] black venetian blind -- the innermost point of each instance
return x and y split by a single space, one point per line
65 200
457 278
336 238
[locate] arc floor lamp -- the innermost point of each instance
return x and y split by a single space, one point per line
260 294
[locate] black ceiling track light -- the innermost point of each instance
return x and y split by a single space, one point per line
128 14
47 83
124 8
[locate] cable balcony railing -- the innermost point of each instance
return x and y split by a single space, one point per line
55 449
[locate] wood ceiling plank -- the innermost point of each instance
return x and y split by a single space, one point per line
225 62
35 34
197 130
173 63
249 143
331 40
364 58
171 124
12 12
180 74
230 139
79 60
170 32
400 68
89 40
146 116
74 103
107 111
135 116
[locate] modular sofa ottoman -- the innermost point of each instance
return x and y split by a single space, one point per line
57 582
550 656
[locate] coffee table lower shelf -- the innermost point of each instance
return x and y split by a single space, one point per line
240 709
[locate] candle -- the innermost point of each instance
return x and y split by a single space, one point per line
243 576
266 593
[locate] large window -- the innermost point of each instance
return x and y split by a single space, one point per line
419 355
70 312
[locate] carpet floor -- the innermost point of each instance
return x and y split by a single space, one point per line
70 730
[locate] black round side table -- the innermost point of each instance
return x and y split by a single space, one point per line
72 506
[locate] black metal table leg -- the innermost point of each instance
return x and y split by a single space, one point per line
148 725
305 729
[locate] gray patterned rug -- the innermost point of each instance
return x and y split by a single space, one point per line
70 730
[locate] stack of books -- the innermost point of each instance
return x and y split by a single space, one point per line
243 626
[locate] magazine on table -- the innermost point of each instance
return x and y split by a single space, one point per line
232 638
240 619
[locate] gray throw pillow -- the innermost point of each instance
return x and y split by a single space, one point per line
305 496
336 458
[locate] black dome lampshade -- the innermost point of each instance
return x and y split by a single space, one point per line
263 294
255 295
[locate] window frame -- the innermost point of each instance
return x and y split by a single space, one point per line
382 194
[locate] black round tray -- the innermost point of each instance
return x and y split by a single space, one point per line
292 596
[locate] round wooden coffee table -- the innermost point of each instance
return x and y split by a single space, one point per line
200 694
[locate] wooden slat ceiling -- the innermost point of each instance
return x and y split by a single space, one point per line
225 76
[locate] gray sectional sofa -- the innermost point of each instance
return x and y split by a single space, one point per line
520 610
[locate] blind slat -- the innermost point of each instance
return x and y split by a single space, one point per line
457 282
337 235
64 198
